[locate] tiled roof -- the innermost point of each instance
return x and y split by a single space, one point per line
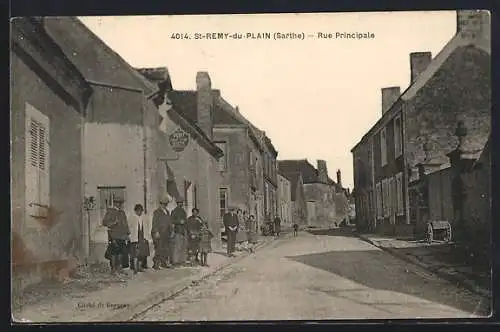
79 43
186 103
302 166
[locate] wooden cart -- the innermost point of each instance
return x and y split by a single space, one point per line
438 229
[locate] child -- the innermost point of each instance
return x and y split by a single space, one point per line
205 243
295 229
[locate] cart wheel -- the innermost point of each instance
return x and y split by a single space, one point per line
430 233
448 233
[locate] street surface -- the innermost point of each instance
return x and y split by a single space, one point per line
314 277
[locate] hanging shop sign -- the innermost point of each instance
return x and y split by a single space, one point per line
179 140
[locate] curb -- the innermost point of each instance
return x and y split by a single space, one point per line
160 296
454 278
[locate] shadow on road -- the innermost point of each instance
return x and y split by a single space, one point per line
378 270
347 232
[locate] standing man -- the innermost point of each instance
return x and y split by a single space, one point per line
161 231
179 218
115 220
231 223
277 225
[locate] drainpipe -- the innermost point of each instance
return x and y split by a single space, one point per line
86 224
406 179
144 149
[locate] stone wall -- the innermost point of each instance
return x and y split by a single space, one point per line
45 248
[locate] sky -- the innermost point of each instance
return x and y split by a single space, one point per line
315 98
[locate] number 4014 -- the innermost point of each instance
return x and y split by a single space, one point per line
179 36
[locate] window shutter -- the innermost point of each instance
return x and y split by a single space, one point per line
33 137
44 163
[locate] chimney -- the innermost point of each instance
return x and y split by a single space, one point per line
205 101
473 24
389 96
322 171
339 178
418 63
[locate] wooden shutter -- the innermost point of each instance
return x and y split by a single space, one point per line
37 170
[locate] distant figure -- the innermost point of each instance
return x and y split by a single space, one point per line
277 226
205 243
231 224
251 232
295 229
193 226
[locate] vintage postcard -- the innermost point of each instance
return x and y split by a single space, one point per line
255 167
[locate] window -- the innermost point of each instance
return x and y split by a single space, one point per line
399 194
392 196
37 174
378 198
398 142
106 196
383 147
223 202
223 161
385 200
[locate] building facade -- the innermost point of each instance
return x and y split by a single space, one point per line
416 128
270 179
242 168
321 193
285 207
187 155
49 99
121 117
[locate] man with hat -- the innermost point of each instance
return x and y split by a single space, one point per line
115 220
179 248
161 231
231 223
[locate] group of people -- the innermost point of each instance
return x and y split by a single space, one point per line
177 239
241 227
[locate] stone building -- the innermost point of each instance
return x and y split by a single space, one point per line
270 179
297 197
188 157
120 131
321 193
285 208
416 128
49 99
243 166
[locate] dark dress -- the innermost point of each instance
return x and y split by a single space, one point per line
162 224
251 231
140 249
194 234
206 238
179 241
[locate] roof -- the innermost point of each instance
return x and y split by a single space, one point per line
63 30
185 101
158 75
33 29
302 166
270 145
437 62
